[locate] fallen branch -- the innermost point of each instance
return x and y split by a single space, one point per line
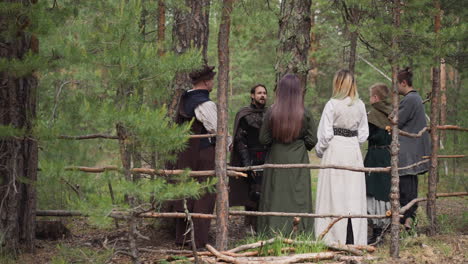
354 259
417 200
117 214
445 156
253 213
107 136
420 133
320 237
90 136
334 246
152 171
414 135
346 248
59 213
252 245
176 215
375 68
308 166
192 232
222 256
451 127
414 164
203 136
379 238
288 259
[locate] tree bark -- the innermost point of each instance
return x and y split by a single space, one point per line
294 40
433 171
161 26
435 115
190 30
222 201
395 146
18 155
314 44
443 99
352 51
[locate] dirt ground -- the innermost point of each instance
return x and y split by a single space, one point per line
92 245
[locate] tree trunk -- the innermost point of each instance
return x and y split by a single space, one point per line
294 40
18 155
433 171
313 73
191 30
395 146
435 107
222 203
161 26
443 99
443 109
352 51
456 84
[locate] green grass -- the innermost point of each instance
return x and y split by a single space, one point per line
307 244
83 255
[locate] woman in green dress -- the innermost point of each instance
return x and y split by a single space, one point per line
290 131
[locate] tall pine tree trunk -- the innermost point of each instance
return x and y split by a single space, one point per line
352 51
222 203
435 107
190 30
313 73
294 40
18 155
395 146
161 26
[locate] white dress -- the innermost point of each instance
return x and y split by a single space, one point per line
340 191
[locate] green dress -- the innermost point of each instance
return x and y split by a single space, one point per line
287 190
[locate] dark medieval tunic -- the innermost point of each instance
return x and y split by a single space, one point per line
412 119
287 190
199 155
247 151
378 153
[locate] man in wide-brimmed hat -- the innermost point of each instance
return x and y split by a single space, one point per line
195 104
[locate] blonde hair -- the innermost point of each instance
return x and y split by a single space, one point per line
380 89
344 85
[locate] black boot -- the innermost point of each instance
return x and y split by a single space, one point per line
376 232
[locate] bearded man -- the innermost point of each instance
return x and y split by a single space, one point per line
247 151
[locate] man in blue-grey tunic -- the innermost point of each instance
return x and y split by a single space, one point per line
412 119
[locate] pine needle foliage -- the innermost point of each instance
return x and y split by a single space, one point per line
107 71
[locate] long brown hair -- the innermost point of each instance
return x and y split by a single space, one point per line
287 112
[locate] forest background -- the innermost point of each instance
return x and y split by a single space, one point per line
107 65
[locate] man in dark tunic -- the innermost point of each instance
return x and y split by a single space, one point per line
378 155
196 105
412 119
248 151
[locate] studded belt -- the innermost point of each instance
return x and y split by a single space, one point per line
344 132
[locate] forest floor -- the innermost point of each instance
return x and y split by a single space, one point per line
88 244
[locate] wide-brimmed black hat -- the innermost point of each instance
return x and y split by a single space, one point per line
203 74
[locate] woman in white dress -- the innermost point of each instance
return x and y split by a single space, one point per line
343 126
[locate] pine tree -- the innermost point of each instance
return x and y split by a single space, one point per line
19 149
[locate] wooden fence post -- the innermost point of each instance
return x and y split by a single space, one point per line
222 202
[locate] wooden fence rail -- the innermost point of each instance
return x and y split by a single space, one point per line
117 214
